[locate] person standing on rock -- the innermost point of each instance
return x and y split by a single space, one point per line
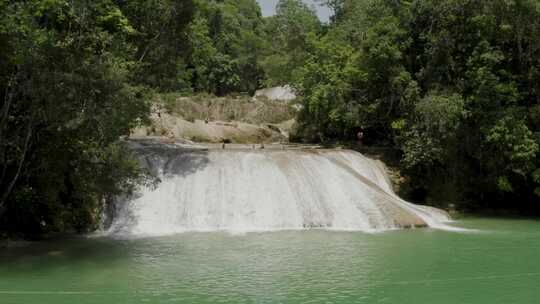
360 136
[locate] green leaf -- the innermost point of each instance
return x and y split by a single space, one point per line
536 176
504 184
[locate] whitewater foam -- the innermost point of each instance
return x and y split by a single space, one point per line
261 190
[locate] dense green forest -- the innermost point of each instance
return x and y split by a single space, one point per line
451 85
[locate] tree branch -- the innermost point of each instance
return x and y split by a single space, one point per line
8 99
6 194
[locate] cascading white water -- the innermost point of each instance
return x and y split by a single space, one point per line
262 190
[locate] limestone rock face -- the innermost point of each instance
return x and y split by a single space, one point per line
283 93
169 126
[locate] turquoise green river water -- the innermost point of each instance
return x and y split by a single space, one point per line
500 263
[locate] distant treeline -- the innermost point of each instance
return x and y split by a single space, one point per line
453 85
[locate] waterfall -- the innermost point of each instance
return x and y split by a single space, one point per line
247 190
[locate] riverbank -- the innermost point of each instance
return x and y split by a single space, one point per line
8 243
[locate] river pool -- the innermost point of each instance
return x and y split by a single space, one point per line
499 262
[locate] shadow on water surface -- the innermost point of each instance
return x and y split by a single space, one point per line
55 253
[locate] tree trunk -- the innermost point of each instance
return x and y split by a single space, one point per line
4 117
8 98
6 194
